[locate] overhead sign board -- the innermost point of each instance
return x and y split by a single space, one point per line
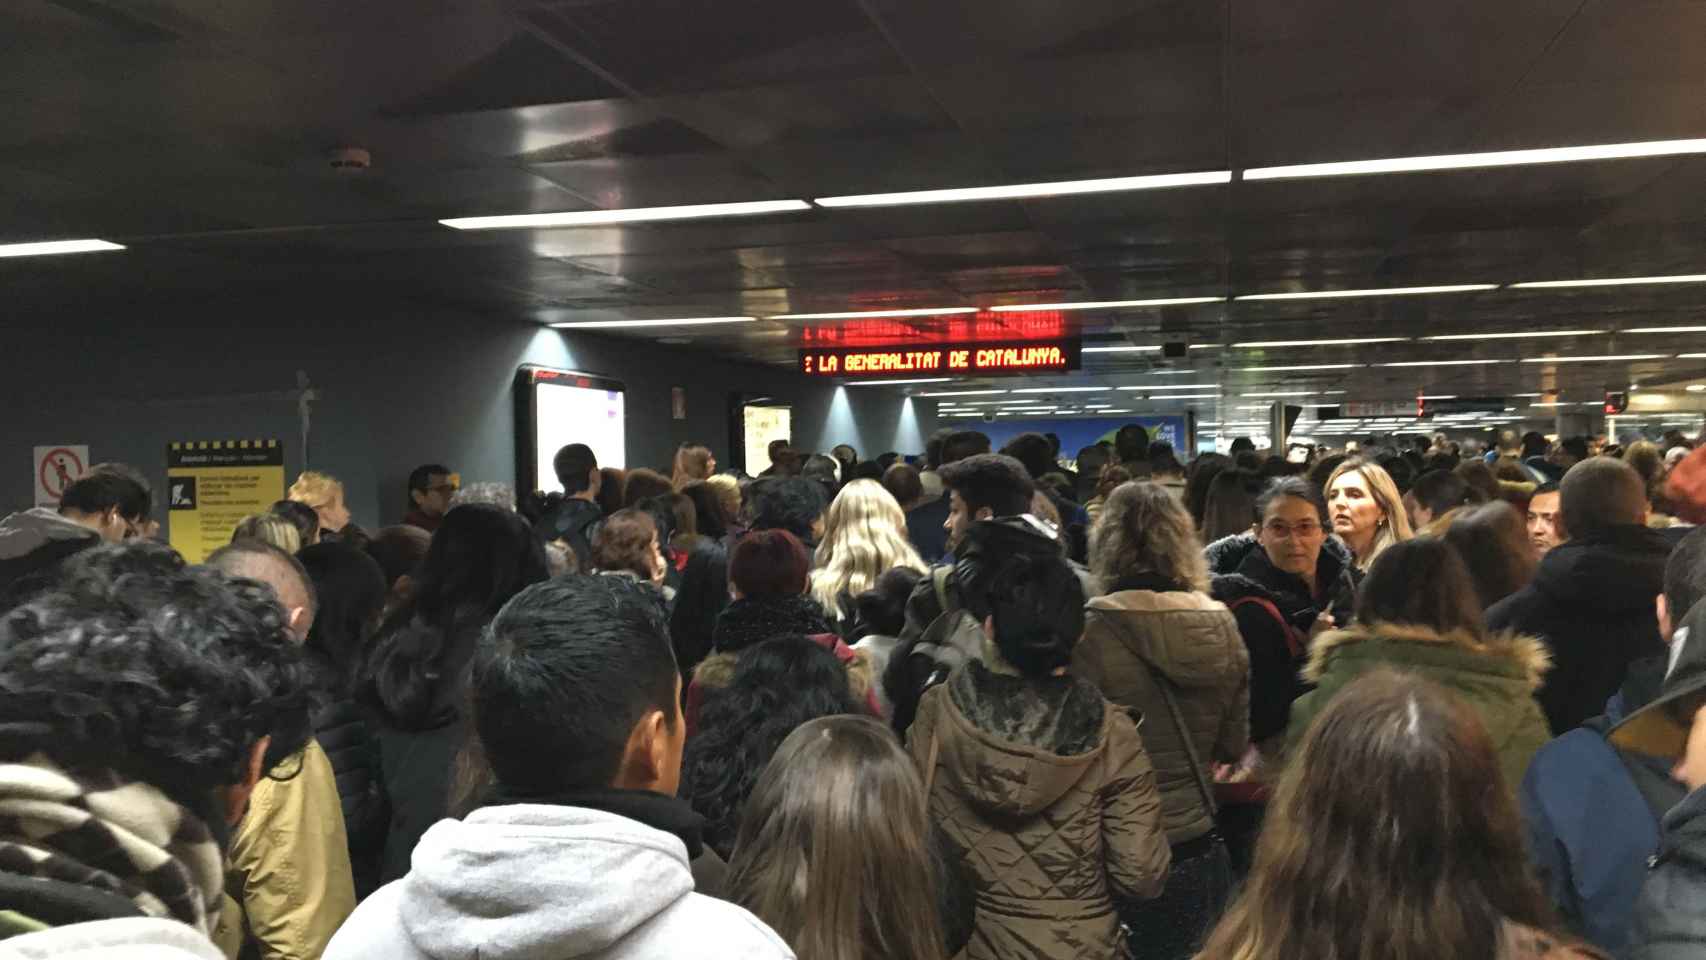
1464 405
943 360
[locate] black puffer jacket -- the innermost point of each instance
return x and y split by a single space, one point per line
342 729
1242 572
1592 602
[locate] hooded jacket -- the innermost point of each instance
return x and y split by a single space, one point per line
1592 602
545 882
1496 676
1241 573
33 544
1046 791
1669 921
746 623
1136 640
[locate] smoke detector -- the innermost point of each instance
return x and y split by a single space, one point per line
350 158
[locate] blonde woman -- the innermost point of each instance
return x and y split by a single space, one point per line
1154 643
864 537
1366 510
727 489
269 528
325 494
692 462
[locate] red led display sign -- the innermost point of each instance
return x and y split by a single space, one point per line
942 360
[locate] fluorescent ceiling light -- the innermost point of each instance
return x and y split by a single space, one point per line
1320 343
1175 386
1298 393
1696 388
1528 394
592 218
1106 304
1063 390
1522 335
885 383
45 248
1464 161
683 322
964 393
1377 292
857 314
1120 350
1609 282
1186 396
1602 359
1442 396
1443 363
1008 413
1172 373
1666 330
1306 366
1022 191
1691 356
1114 410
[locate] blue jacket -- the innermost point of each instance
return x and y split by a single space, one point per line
1591 824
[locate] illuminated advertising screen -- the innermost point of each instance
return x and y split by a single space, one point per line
558 407
942 360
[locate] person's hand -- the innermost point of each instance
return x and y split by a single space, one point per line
1691 769
1323 622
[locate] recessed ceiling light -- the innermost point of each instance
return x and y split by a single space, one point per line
1519 335
592 218
1528 394
1666 330
1691 356
1608 358
859 314
1106 304
1376 292
1185 396
1299 367
1442 363
1439 396
1321 343
46 248
1121 349
613 324
1297 393
1172 373
1021 191
889 383
964 393
1175 386
1113 410
1062 390
1463 161
1609 282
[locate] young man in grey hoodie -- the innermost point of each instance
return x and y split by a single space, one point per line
579 847
105 506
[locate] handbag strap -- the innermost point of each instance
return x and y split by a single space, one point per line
1165 684
930 764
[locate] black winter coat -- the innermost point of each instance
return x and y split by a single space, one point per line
1670 923
342 729
1241 571
1592 602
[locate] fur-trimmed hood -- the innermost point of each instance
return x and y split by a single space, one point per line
1529 654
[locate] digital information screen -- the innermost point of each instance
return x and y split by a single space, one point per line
943 360
554 408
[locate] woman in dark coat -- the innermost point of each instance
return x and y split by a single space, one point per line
481 556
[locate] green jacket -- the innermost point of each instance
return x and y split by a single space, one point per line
1495 675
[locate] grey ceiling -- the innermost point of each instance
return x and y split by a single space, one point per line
198 133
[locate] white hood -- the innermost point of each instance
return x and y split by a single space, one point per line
22 533
519 882
129 938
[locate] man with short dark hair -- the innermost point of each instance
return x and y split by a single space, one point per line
1592 599
924 524
794 504
1546 528
431 485
102 507
1591 806
118 795
574 519
1131 446
579 847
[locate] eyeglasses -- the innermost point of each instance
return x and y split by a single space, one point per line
1280 530
443 488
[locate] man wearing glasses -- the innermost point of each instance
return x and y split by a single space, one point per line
430 488
105 506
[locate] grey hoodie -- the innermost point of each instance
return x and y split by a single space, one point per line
23 533
32 545
125 938
536 882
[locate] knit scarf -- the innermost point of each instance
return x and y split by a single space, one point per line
126 838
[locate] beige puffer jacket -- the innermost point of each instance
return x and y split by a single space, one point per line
1045 792
1132 636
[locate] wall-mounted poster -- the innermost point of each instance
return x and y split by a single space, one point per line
554 408
211 485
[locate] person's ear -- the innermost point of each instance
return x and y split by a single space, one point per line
1662 608
984 513
300 621
594 480
417 497
989 626
647 763
237 798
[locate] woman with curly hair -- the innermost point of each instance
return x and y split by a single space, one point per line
1158 646
776 686
864 536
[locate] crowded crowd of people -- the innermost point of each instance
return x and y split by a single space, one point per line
1412 701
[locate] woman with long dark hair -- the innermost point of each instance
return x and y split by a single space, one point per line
1493 541
480 557
776 686
835 851
1391 836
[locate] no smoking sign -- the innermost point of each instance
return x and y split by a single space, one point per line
56 468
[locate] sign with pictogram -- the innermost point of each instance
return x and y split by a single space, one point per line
56 468
211 485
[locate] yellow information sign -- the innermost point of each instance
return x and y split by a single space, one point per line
213 484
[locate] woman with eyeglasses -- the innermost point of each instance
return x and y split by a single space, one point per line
1285 581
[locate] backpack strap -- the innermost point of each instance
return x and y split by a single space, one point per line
1292 641
940 577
